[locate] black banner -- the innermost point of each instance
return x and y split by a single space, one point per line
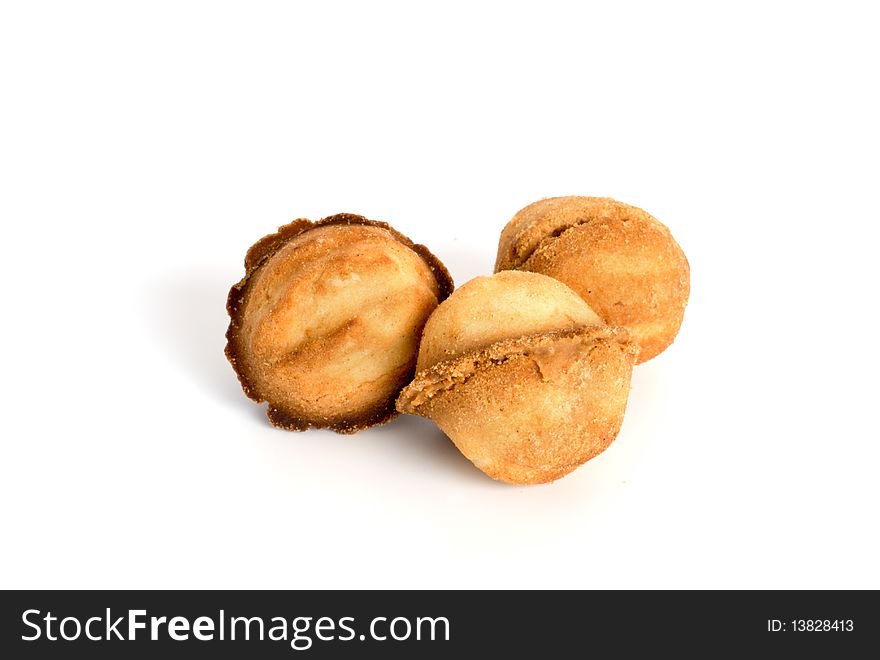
406 624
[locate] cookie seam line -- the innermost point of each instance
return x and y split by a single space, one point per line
606 333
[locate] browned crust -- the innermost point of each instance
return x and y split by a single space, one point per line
445 376
578 379
256 256
573 239
536 225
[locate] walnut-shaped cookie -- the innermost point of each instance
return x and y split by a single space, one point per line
621 260
523 376
326 323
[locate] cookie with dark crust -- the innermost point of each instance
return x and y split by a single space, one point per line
326 323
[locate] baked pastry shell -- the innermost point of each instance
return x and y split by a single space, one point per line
505 305
380 413
532 409
621 260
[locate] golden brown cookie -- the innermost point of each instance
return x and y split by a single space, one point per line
621 260
325 325
523 377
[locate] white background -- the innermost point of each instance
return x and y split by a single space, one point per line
145 146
